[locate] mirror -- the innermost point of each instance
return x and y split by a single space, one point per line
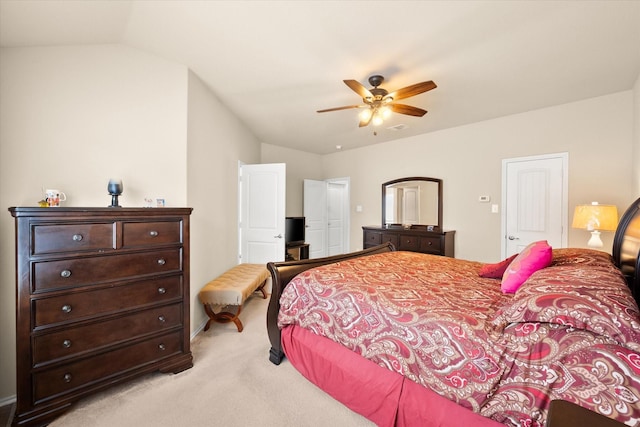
415 202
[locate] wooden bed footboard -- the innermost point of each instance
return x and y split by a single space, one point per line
281 275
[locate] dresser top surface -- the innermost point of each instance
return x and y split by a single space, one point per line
400 229
96 211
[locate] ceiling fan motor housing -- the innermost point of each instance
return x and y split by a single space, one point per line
378 95
376 80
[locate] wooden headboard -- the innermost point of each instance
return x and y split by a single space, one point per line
626 247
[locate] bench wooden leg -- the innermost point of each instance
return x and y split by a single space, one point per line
261 289
223 317
227 316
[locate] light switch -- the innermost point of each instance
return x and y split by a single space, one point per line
494 209
359 208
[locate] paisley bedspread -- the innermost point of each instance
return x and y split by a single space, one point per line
571 332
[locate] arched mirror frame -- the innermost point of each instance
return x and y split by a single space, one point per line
436 227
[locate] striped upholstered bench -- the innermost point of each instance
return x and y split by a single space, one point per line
232 288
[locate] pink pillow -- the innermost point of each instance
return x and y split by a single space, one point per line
496 271
534 257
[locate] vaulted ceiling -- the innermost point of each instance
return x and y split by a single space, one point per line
274 63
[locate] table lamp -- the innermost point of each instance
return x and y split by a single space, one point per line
595 218
115 189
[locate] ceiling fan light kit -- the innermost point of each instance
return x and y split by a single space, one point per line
379 103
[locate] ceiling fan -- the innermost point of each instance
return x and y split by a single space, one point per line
379 103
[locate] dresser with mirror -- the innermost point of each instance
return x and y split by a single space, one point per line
412 218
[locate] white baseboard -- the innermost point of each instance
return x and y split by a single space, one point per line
8 400
199 329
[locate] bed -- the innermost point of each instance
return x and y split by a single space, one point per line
411 339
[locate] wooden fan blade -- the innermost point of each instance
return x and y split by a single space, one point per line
412 90
346 107
358 88
408 110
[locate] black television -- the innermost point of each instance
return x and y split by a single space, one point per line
294 230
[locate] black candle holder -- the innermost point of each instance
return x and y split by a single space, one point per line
115 189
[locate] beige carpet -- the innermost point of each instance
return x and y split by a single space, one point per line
232 383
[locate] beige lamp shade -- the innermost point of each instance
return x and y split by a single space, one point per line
596 217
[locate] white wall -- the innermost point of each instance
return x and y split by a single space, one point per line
217 141
72 117
596 132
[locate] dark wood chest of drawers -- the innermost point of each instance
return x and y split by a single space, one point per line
102 297
414 240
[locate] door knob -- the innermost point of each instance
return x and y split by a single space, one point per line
279 236
514 238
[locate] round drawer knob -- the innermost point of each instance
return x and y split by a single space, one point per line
67 378
153 233
77 237
162 290
161 319
65 273
66 308
66 343
161 261
430 243
161 347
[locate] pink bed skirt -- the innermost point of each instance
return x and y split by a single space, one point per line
380 395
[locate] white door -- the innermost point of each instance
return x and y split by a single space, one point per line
410 205
391 196
262 207
535 201
326 210
336 203
315 213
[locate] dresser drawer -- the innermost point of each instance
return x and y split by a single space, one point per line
372 238
416 239
430 244
390 237
73 237
72 376
79 305
95 336
48 275
151 233
408 243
